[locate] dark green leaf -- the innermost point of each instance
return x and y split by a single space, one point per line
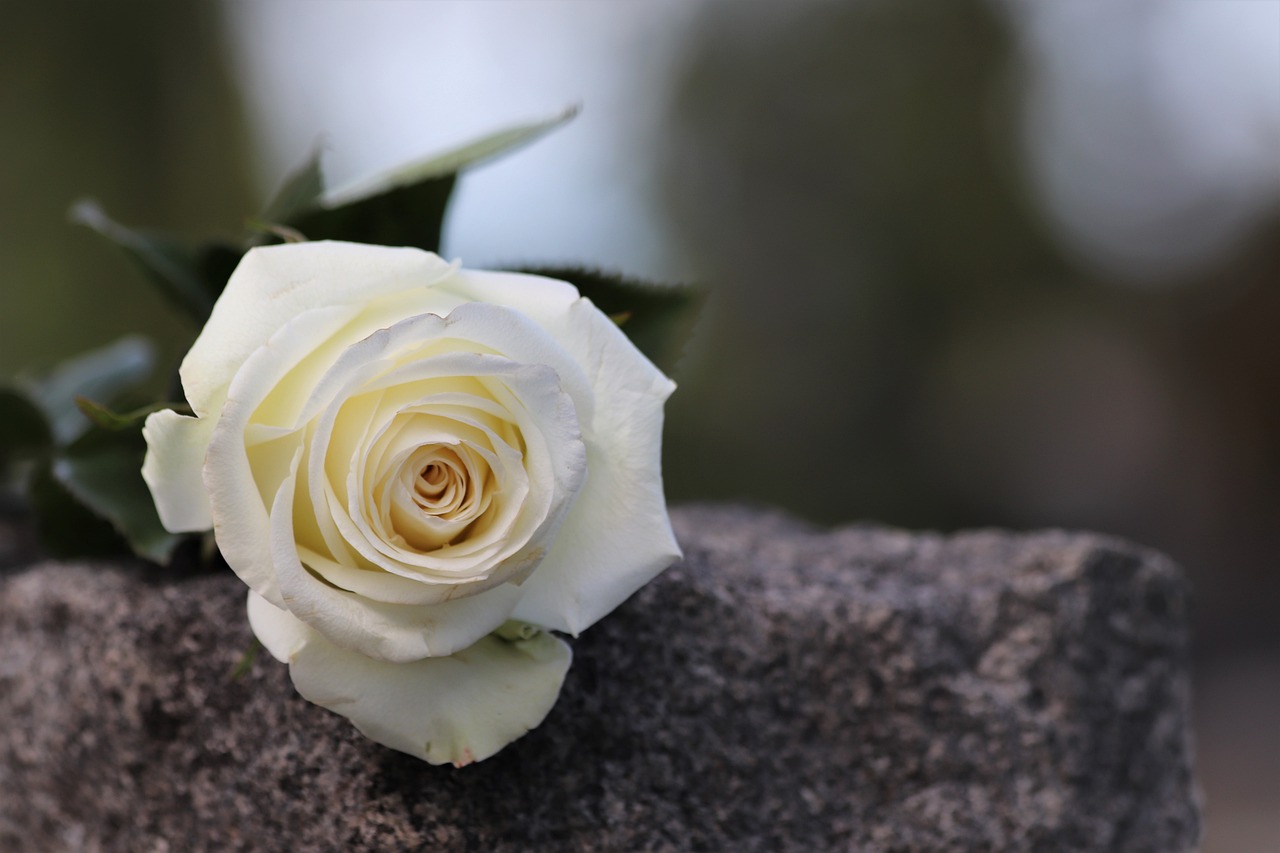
216 261
410 215
104 417
109 484
192 276
407 207
24 430
95 484
474 152
301 191
101 374
97 440
66 527
659 319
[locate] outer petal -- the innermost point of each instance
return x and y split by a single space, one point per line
456 709
239 497
617 536
274 284
176 446
279 631
544 300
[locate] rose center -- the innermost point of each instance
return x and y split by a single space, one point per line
443 486
438 492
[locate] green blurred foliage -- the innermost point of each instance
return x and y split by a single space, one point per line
129 102
853 198
896 334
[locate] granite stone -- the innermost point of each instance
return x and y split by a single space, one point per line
783 688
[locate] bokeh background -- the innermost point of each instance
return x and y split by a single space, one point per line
972 262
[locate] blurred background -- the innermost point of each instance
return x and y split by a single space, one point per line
973 263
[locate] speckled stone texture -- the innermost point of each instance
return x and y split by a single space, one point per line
782 689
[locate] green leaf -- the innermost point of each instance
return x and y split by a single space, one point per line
89 497
102 374
405 216
25 432
407 206
108 483
659 319
300 192
216 261
466 155
104 417
513 630
65 526
192 276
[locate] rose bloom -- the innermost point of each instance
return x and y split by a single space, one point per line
419 471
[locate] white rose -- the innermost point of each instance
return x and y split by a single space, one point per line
401 458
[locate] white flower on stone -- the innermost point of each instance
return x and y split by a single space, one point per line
419 471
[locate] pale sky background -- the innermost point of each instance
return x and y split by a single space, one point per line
1153 126
388 82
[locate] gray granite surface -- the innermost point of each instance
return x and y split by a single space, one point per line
784 688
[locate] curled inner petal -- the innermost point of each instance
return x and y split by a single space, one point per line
435 495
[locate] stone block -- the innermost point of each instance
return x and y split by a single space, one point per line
783 688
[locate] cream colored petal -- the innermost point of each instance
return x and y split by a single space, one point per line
176 447
446 710
543 300
280 632
239 485
554 462
274 284
547 414
240 522
391 632
375 585
617 537
525 339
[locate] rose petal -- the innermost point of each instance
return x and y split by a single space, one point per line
554 462
176 446
617 537
280 632
543 300
445 710
242 526
240 491
538 398
391 632
274 284
372 584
